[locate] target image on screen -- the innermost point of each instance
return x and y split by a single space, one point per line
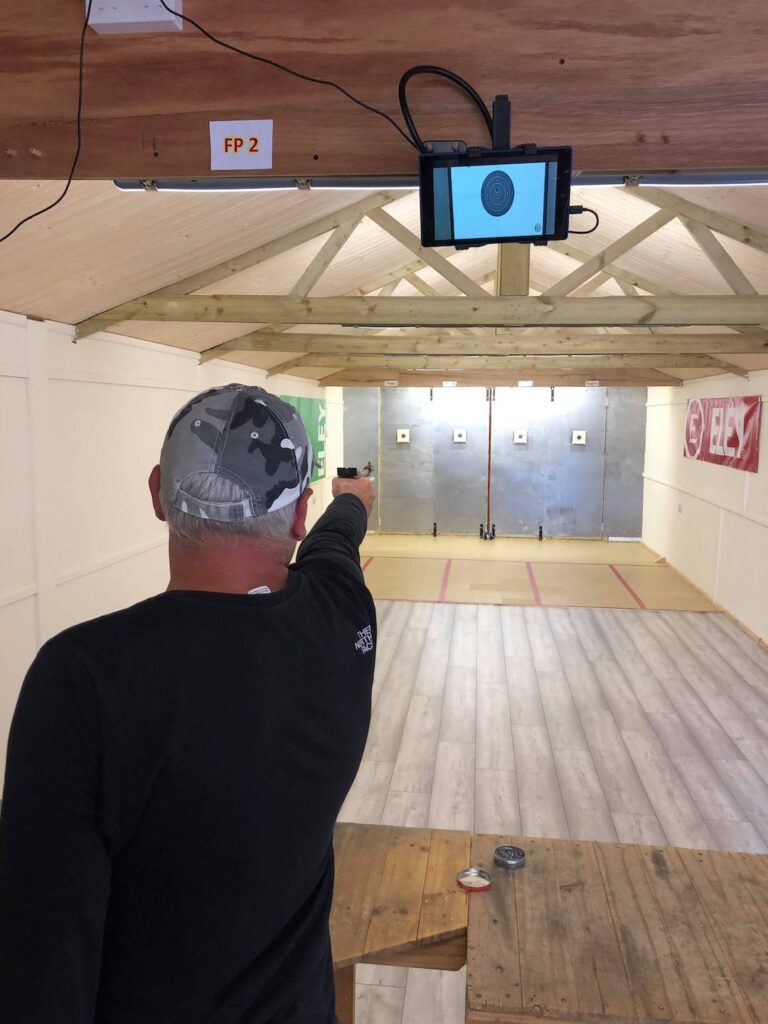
495 202
494 196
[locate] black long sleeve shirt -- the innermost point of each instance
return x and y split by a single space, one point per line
174 773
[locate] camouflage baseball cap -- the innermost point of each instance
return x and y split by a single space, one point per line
244 434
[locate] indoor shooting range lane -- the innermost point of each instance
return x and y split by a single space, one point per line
508 549
525 572
605 725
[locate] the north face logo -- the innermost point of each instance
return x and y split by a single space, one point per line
364 640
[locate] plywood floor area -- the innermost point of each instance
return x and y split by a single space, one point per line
605 724
521 571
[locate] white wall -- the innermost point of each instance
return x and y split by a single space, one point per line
710 522
80 428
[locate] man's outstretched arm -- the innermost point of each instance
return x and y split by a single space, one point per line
54 866
337 535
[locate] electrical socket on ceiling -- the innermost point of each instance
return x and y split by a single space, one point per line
121 17
521 437
403 435
578 437
460 435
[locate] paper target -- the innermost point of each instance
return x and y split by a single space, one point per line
497 193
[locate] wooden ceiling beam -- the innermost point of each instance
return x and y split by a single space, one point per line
565 248
521 364
318 265
696 77
384 281
727 367
431 257
611 253
728 269
449 311
720 259
500 378
287 366
324 257
591 286
722 224
539 343
253 257
627 280
513 269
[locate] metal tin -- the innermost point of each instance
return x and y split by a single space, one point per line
474 880
510 857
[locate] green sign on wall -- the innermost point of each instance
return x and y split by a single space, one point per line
312 412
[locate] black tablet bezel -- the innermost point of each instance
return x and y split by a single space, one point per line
429 161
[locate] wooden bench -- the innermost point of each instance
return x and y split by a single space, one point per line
585 932
396 902
602 932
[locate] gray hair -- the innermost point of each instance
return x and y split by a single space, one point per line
275 525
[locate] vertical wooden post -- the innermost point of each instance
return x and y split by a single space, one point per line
344 979
513 269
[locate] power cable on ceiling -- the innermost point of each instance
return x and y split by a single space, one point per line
78 147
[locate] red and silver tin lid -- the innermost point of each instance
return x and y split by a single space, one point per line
474 880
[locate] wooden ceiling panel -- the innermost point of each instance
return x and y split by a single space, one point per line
101 243
499 378
101 247
665 84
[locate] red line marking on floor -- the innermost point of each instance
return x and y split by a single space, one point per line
624 583
444 584
367 562
534 584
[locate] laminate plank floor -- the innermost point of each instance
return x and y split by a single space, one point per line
580 723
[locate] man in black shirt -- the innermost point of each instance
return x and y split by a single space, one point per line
175 769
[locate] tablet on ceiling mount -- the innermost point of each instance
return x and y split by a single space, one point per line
475 197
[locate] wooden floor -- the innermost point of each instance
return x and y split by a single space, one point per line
637 726
507 549
522 571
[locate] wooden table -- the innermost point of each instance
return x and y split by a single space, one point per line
602 932
396 902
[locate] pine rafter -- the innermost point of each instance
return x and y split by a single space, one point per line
541 342
431 257
721 223
594 264
450 311
516 362
253 257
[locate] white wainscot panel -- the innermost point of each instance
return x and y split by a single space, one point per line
17 558
115 586
743 581
18 642
105 440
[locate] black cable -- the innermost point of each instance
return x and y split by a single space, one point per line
56 202
289 71
584 209
432 69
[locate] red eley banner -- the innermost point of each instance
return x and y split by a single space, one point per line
725 431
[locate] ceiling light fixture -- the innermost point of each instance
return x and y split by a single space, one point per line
407 182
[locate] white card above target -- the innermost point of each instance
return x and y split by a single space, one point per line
241 145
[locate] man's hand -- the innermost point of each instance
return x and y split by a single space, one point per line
362 487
